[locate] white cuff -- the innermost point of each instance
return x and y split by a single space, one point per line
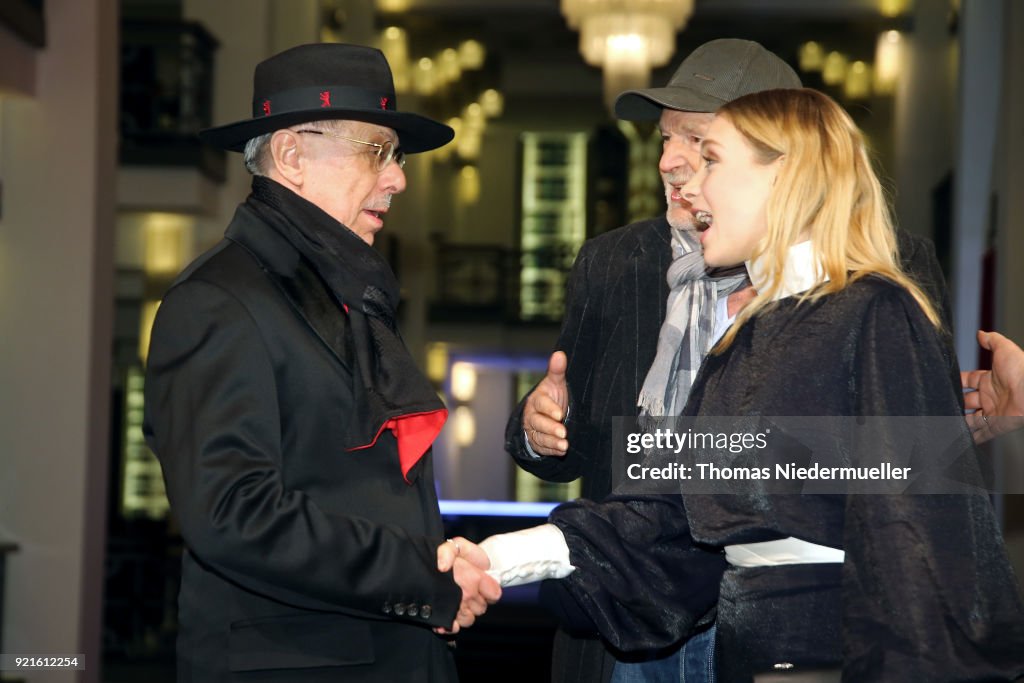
528 555
530 453
529 449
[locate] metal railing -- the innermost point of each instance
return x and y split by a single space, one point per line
487 283
167 95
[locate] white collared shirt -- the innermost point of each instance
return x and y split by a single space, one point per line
801 271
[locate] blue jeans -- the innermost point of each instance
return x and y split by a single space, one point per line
694 662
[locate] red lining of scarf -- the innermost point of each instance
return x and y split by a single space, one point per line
415 433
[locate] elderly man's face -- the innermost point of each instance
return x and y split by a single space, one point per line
681 135
344 181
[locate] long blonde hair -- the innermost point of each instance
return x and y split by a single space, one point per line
825 187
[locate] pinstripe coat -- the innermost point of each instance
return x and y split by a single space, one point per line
615 304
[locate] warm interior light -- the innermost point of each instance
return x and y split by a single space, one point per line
469 188
394 43
425 77
146 318
492 102
834 70
626 66
473 115
437 361
463 383
888 59
167 239
392 5
464 426
471 54
858 81
626 40
812 56
892 8
468 144
626 43
449 68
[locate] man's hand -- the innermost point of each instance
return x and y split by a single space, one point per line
998 399
469 564
545 410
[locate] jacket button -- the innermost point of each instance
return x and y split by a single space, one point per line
426 611
400 608
386 609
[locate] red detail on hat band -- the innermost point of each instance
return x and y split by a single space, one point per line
266 107
383 103
325 99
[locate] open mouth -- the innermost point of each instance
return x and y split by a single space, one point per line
674 183
379 212
703 219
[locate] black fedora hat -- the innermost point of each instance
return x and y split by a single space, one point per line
327 81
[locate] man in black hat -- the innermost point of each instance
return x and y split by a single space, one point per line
641 313
293 426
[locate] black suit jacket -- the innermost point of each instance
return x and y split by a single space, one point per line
615 305
303 561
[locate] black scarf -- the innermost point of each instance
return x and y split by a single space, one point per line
362 282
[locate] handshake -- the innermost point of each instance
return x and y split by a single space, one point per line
481 571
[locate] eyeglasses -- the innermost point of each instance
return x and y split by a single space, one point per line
386 152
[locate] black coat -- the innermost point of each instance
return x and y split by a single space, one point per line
615 306
303 561
925 591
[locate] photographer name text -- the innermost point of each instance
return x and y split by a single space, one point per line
708 471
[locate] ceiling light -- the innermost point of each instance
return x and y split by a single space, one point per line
626 37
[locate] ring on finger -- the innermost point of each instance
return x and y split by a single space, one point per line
458 549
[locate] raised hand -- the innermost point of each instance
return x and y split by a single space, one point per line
545 410
998 396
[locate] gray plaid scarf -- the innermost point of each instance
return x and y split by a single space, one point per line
687 334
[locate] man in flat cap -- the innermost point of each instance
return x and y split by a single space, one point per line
632 339
642 311
293 426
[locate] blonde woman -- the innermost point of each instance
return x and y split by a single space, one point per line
883 588
918 586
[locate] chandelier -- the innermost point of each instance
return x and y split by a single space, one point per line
627 38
